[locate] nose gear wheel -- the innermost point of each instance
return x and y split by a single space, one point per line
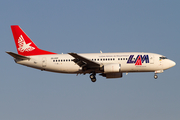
155 76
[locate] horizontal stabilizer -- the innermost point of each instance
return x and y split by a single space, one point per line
17 56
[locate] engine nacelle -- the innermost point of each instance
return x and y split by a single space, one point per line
112 68
112 75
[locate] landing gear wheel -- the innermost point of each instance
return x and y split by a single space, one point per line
93 77
93 80
155 76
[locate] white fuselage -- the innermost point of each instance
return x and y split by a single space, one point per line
63 63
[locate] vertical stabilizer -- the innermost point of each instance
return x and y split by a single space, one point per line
25 46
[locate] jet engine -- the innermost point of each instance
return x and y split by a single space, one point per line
112 68
112 71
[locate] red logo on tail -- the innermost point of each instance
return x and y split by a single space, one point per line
23 46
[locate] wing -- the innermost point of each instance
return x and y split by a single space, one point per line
84 62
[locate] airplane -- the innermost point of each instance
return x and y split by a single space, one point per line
109 65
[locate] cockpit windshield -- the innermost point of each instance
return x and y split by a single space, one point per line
162 58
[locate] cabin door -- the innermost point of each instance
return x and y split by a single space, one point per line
151 59
44 62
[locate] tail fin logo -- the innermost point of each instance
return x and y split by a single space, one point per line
23 46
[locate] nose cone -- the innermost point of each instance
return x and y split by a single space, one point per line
172 63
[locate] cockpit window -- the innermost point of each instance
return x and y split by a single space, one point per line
162 58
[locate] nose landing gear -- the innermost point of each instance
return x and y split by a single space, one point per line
93 77
155 76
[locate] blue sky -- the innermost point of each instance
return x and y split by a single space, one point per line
85 26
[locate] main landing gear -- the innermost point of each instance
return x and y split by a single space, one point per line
155 76
93 77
